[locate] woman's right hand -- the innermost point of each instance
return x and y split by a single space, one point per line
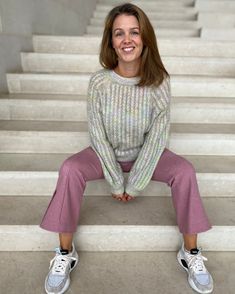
120 197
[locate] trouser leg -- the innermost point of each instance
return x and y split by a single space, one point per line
63 212
180 175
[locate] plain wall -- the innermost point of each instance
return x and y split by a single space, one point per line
20 19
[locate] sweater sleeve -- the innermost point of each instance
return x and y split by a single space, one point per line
99 142
154 143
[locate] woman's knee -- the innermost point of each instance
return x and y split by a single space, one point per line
70 165
185 168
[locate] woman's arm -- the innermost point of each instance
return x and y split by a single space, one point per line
154 144
100 144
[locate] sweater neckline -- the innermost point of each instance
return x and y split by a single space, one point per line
122 80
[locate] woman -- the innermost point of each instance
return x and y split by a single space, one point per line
129 121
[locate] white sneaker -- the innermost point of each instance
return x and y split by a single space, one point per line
198 276
58 278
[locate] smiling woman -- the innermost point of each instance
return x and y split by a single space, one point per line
128 30
128 111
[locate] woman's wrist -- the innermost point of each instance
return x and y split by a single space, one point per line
130 190
117 190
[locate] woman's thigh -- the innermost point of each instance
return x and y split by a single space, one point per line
85 162
169 166
88 164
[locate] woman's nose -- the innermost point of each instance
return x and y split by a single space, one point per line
127 38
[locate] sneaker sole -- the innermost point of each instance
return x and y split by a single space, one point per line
66 286
191 283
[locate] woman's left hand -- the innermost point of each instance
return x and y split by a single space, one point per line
128 197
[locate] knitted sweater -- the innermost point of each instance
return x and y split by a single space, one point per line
127 123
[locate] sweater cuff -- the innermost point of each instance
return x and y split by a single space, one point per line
117 190
131 190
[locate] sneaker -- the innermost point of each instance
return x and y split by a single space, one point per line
198 276
58 279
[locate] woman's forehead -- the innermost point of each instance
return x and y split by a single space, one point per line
125 21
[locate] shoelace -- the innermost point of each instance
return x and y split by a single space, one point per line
61 262
196 262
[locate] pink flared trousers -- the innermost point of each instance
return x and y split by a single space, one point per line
62 214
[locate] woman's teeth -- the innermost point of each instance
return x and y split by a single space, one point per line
128 49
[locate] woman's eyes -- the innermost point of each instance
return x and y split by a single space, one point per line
118 34
134 33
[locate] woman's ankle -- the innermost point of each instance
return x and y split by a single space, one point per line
66 241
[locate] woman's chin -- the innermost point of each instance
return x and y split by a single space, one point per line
128 59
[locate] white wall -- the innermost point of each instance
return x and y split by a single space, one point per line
19 19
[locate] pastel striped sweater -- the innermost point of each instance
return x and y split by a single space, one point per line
126 123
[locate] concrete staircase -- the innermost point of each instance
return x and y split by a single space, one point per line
43 120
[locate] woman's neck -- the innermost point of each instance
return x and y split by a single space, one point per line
127 70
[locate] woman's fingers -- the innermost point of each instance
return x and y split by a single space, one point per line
118 197
123 197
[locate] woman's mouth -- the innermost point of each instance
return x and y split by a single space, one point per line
128 49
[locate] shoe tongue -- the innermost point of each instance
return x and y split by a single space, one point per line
64 251
194 251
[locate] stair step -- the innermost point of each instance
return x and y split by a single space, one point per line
53 137
158 3
215 5
171 2
218 34
162 33
59 63
200 86
145 224
148 272
172 47
179 24
219 20
160 15
104 211
151 6
14 162
215 174
73 108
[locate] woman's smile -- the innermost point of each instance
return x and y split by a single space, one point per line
128 49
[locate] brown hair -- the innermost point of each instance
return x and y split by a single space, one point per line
152 70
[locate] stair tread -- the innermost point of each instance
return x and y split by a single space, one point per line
158 23
145 272
178 59
167 46
65 126
86 77
104 210
44 97
52 162
92 39
156 8
67 98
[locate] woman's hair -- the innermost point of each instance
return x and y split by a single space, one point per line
152 70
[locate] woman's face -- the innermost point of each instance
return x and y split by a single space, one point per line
126 39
